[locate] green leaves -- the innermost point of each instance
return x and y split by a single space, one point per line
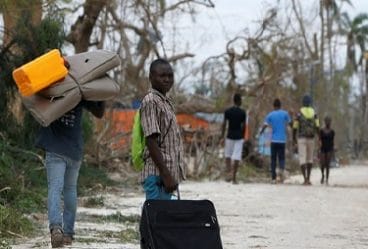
359 20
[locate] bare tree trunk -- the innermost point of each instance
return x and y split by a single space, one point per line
323 25
322 48
81 30
365 120
16 9
12 12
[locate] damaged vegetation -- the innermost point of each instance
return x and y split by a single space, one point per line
118 217
281 58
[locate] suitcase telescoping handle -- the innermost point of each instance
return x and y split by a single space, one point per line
177 190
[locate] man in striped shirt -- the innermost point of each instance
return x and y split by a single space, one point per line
163 154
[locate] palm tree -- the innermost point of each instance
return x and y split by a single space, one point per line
356 31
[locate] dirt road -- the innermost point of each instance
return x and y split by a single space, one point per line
286 216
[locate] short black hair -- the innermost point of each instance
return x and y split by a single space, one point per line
328 119
277 103
307 100
237 98
157 62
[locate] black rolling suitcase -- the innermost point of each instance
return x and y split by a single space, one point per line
179 224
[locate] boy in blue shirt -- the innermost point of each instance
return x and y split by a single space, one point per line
278 120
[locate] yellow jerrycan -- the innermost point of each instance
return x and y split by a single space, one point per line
40 73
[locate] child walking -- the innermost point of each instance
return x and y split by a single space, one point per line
326 137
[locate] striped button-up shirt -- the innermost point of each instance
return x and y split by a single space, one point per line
158 117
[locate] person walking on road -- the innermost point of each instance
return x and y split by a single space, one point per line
164 166
305 127
235 120
62 142
326 138
278 120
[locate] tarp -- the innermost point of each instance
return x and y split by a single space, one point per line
86 80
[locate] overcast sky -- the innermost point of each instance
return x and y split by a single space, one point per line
213 27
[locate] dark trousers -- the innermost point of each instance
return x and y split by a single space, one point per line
277 152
